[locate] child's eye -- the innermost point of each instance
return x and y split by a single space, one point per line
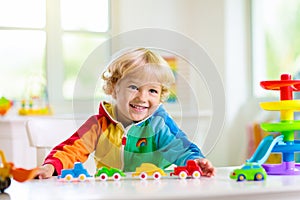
153 91
133 87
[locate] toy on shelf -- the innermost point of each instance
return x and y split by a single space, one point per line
104 173
191 169
8 171
250 172
5 105
148 169
31 109
77 173
285 142
36 101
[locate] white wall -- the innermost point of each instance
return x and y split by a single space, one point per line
241 107
221 28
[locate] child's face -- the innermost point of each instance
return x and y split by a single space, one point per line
137 97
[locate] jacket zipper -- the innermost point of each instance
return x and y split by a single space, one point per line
124 140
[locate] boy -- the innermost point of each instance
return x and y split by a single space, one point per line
135 128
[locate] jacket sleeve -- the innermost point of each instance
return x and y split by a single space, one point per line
77 147
173 143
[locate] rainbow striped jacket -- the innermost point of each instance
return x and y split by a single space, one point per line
156 140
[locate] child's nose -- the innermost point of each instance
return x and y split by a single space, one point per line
142 94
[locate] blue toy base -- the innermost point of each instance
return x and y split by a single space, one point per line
285 168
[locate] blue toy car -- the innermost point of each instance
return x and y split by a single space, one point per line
77 173
250 171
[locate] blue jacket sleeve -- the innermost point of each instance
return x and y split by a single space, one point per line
173 143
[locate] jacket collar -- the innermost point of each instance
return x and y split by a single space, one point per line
108 110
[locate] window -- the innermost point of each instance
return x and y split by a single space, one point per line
85 27
22 46
45 42
276 41
246 167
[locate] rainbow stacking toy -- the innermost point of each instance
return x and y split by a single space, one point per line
285 143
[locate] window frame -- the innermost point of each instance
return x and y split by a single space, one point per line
54 57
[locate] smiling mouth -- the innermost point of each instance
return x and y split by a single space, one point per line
137 107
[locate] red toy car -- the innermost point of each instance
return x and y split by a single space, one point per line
191 169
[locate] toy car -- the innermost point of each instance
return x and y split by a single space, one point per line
104 173
148 169
191 169
77 173
250 171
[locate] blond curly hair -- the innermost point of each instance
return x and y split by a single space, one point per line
134 59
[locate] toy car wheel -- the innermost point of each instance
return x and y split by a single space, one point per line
68 177
182 175
241 177
258 176
196 174
103 177
5 184
156 175
116 176
143 176
81 177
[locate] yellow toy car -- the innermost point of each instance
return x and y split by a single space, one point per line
148 169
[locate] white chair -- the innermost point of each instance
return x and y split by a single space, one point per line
45 133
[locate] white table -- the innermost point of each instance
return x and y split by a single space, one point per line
218 187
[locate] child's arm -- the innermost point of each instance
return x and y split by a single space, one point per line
177 148
174 143
74 149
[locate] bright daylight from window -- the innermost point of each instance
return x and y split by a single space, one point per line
34 53
276 41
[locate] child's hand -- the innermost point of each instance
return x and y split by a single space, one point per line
45 171
206 166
